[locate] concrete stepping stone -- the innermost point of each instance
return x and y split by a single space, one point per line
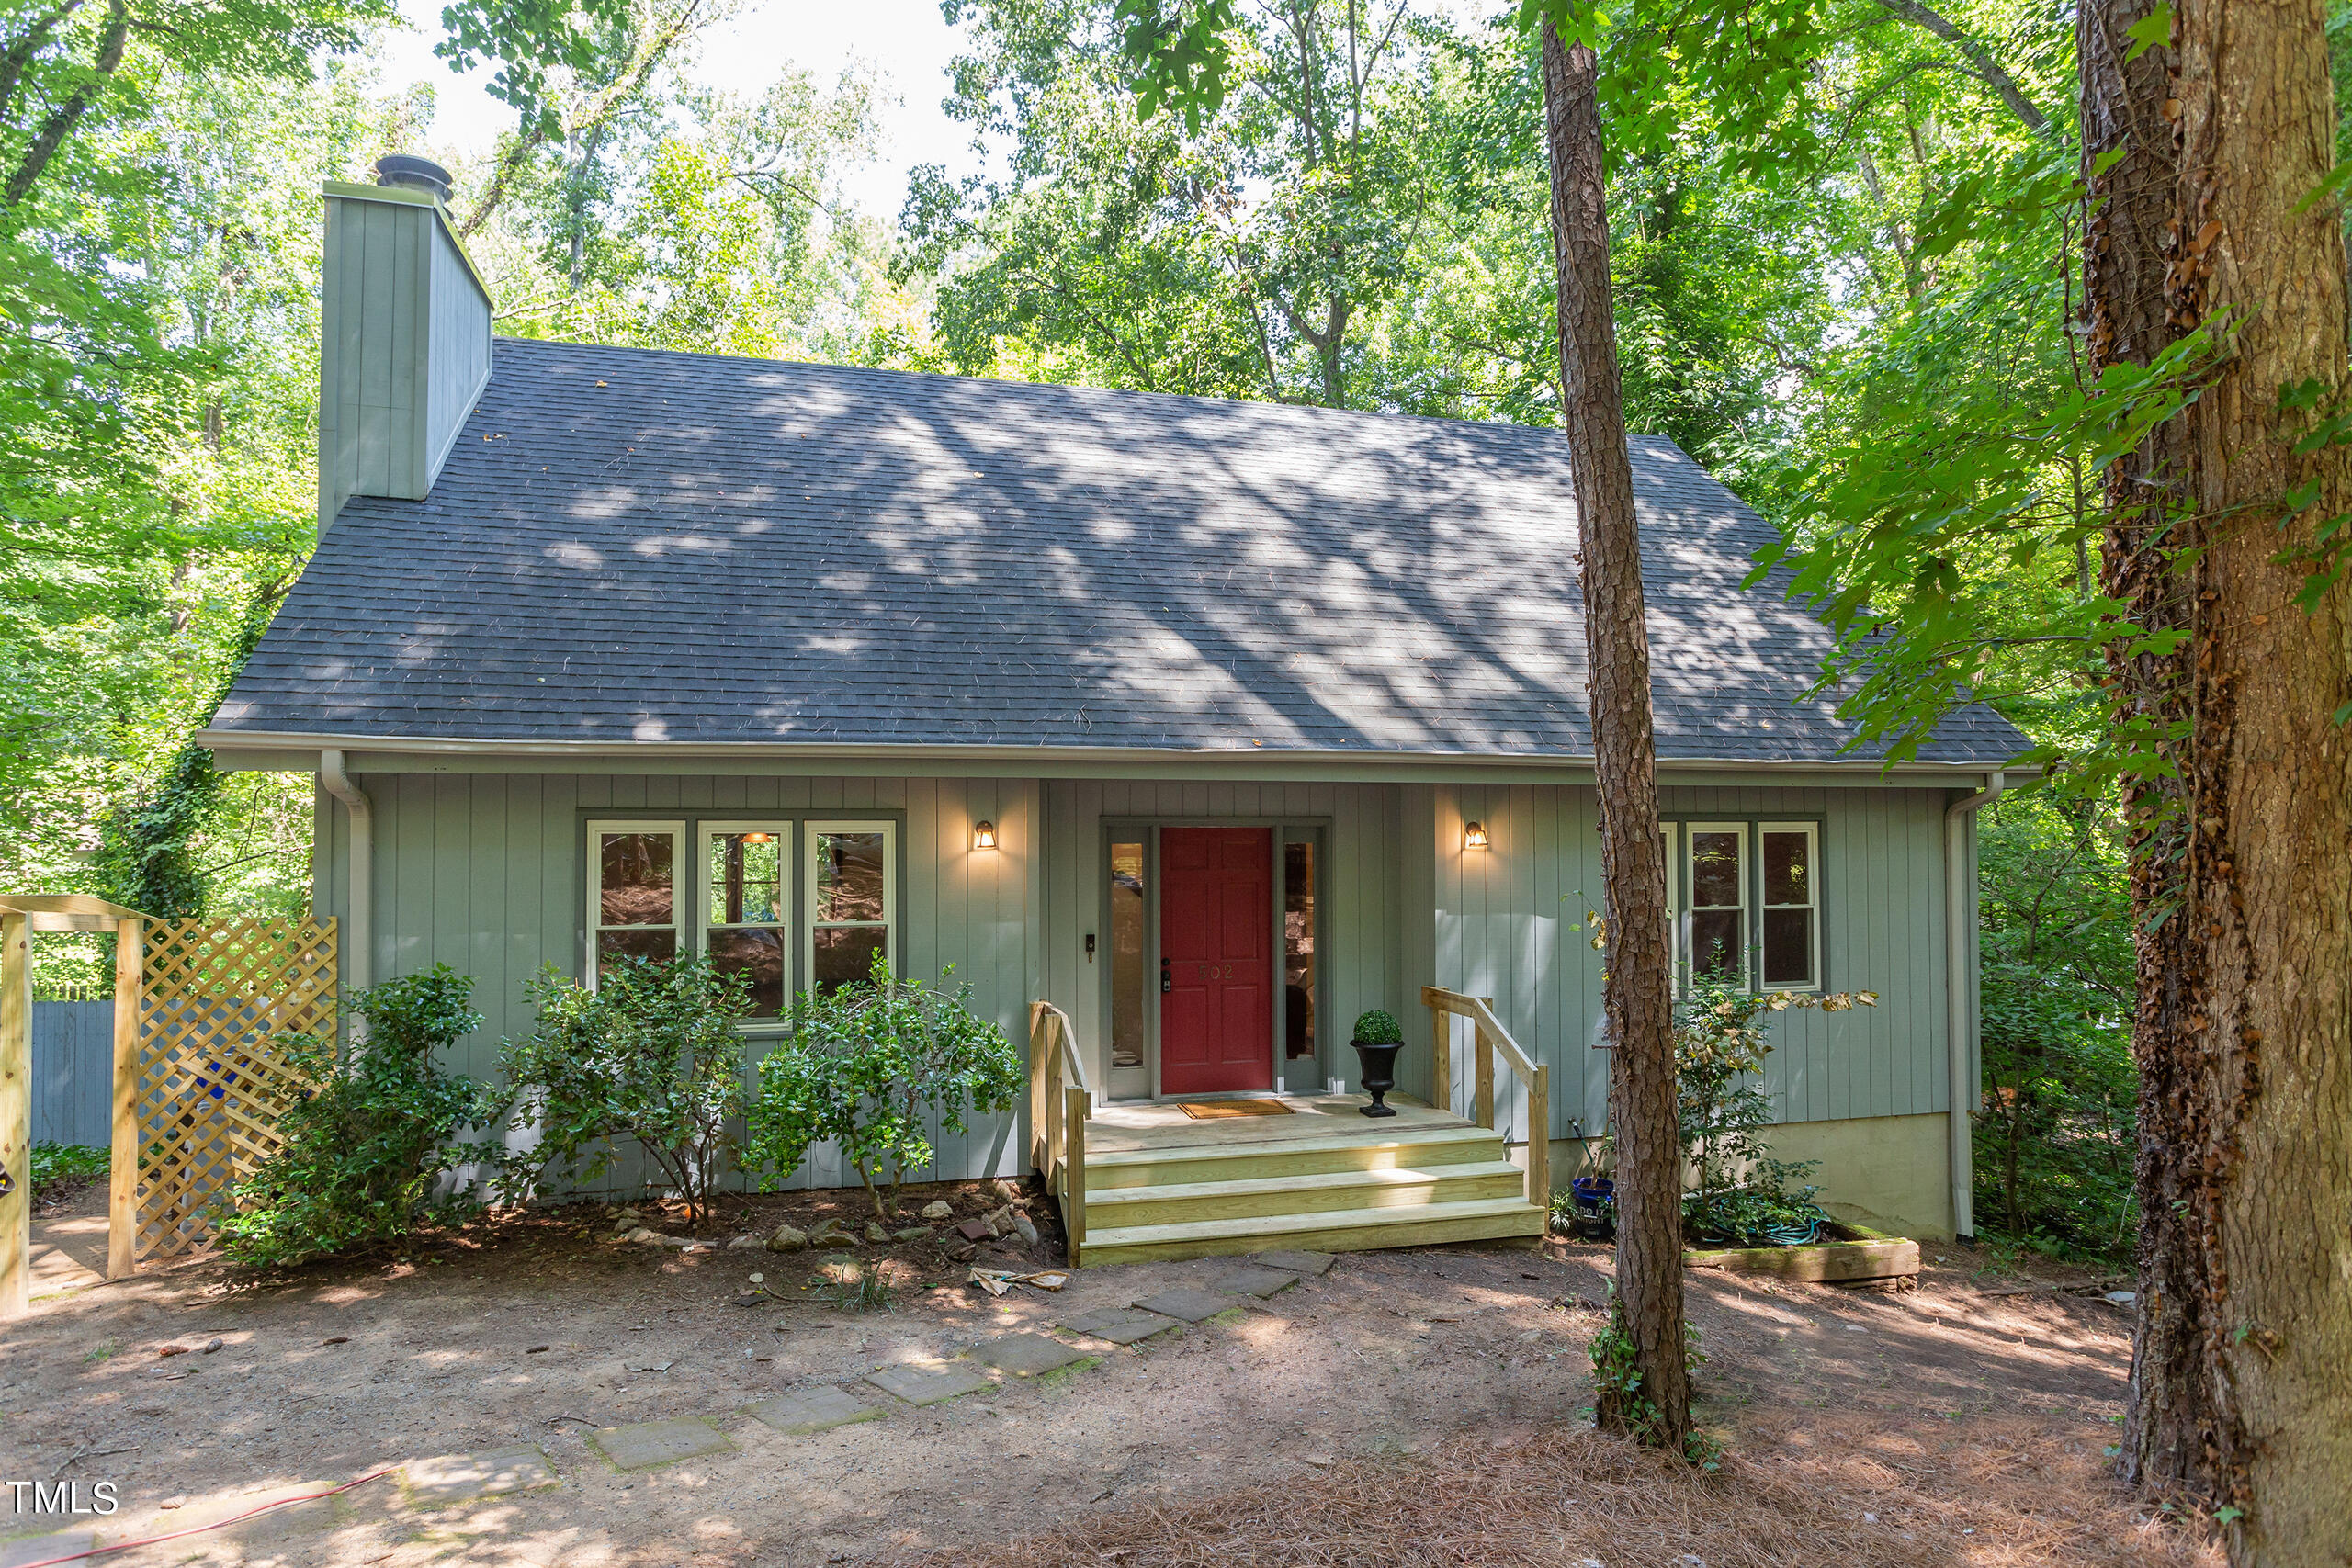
1258 1282
806 1411
1192 1306
1297 1262
42 1547
928 1385
1120 1326
1026 1355
454 1479
647 1444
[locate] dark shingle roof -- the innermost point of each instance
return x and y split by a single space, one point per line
638 546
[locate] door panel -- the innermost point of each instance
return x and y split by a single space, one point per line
1216 1018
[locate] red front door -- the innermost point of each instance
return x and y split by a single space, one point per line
1216 960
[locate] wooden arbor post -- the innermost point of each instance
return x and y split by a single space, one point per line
20 918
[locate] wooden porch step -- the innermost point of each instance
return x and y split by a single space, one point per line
1320 1192
1339 1230
1188 1164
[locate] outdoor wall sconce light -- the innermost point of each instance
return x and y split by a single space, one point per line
1474 835
984 835
759 837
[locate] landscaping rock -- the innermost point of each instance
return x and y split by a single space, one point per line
647 1444
976 1230
641 1234
963 1252
806 1411
787 1240
938 1209
927 1385
1000 1220
1022 1228
1025 1355
1008 1190
1258 1282
1192 1306
874 1233
741 1242
912 1233
1120 1326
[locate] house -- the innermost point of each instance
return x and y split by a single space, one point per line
1211 724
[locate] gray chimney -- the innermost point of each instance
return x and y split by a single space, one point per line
405 347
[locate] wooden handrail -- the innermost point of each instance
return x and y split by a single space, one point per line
1493 1039
1056 1065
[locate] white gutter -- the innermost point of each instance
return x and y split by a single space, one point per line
1960 992
358 926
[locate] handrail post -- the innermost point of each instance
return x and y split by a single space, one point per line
123 1179
1539 1138
1056 1083
1441 1050
1074 1114
1040 1105
1484 1102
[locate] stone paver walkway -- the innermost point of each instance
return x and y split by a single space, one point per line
805 1412
1192 1306
1120 1326
647 1444
1297 1262
1259 1283
1026 1355
927 1385
452 1480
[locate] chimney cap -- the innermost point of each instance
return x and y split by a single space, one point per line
414 173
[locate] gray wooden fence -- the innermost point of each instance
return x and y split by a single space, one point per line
73 1072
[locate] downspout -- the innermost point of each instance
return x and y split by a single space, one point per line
358 926
1960 994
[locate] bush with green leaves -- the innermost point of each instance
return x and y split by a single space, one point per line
867 1067
651 1057
1741 1193
363 1151
53 1163
1378 1028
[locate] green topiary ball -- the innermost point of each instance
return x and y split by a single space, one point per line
1378 1028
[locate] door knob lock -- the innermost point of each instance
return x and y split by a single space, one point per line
1167 981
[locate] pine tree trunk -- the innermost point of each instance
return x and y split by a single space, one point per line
2269 782
1636 991
2150 519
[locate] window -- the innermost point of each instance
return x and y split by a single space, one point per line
745 908
1668 834
1128 936
853 900
1718 872
1792 919
634 907
1299 947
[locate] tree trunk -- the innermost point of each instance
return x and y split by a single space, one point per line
2151 518
1648 1308
2269 780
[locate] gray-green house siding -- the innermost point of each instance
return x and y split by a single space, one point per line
485 872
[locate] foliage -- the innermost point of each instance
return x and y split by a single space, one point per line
1619 1403
1742 1192
651 1055
67 1162
362 1151
2054 1140
869 1067
1378 1028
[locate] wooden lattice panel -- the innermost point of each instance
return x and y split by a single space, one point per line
217 996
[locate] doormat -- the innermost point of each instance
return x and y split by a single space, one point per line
1213 1109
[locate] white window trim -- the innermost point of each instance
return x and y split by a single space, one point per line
1690 831
1672 833
680 877
708 828
810 925
1812 832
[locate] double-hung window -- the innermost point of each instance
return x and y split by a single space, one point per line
636 908
747 906
1717 877
1791 921
853 899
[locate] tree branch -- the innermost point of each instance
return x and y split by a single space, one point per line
1990 68
61 123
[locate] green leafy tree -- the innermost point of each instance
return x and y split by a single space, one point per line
651 1057
872 1068
362 1151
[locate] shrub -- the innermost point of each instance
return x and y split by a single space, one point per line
1378 1028
1742 1191
866 1068
363 1150
651 1057
54 1163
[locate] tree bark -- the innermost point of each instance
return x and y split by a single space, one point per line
2268 861
1636 986
67 115
2151 522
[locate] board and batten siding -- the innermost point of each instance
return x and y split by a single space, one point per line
1510 922
485 873
1361 882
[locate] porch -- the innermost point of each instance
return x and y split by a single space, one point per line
1160 1180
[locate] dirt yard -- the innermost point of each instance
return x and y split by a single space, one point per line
1404 1406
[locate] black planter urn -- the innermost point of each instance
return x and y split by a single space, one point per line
1378 1076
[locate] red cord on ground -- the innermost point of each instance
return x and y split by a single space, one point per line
217 1524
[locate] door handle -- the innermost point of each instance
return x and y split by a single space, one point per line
1167 983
